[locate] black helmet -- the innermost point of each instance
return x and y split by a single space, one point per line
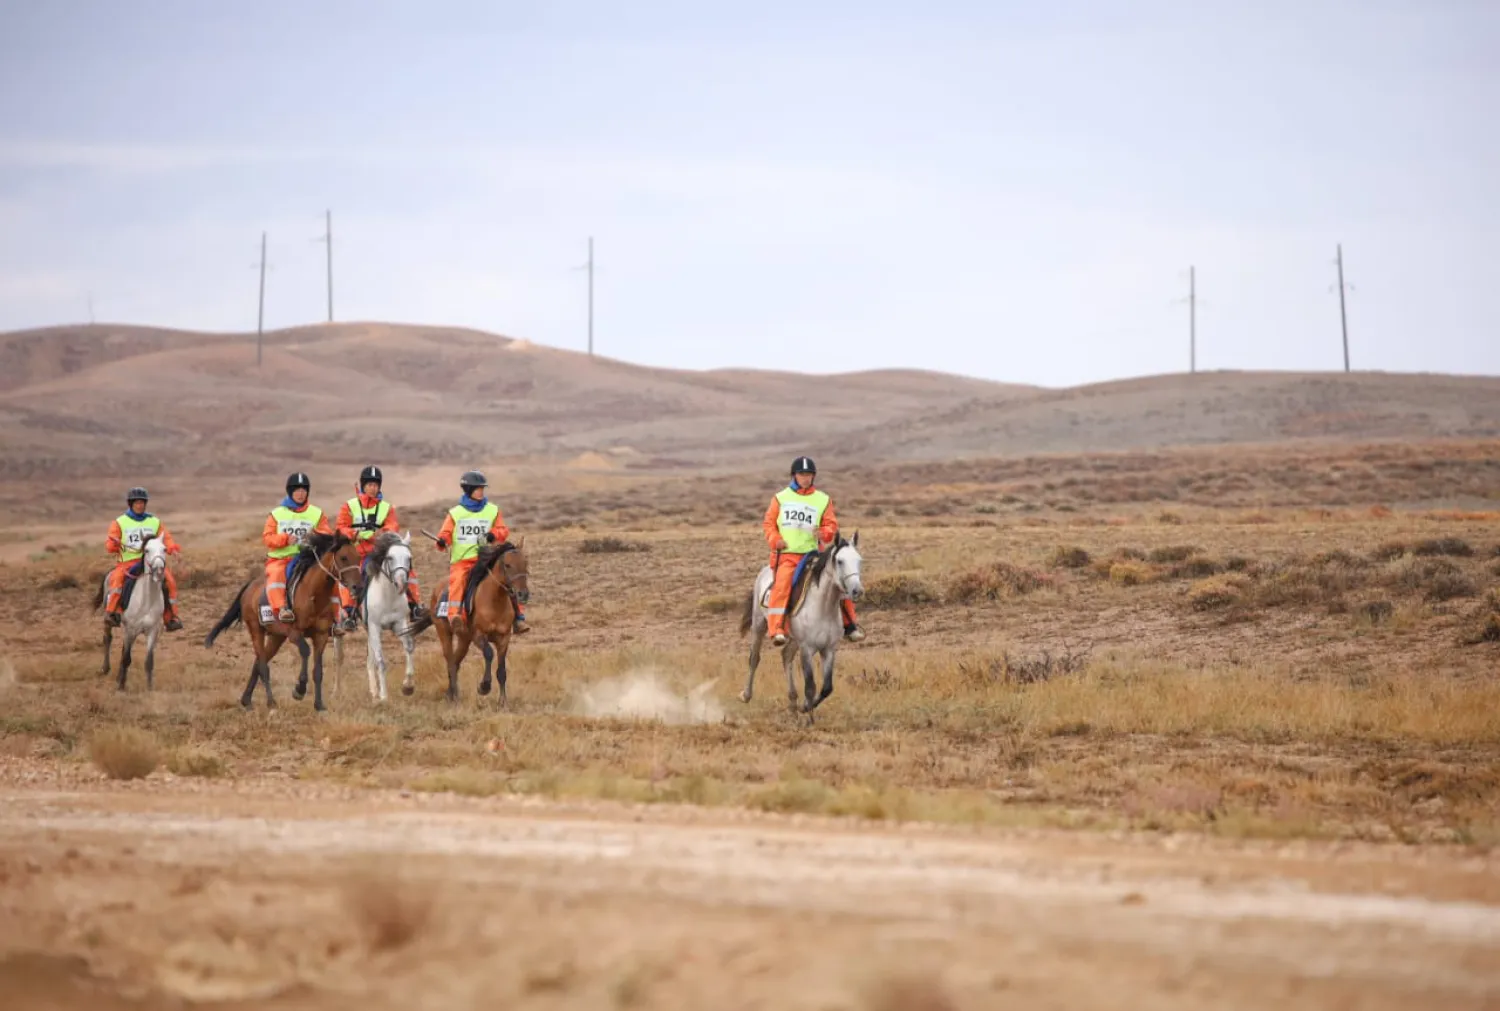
472 479
370 473
137 494
298 480
803 465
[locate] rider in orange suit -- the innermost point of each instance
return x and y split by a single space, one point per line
114 543
275 539
784 564
472 507
362 532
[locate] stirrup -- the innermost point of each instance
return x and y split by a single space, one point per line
114 619
854 633
520 627
779 639
286 616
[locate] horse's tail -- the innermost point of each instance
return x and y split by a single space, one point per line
747 613
231 616
98 600
422 624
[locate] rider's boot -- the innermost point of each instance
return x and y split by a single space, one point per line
286 616
114 619
854 633
418 612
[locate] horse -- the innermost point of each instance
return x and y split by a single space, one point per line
501 570
143 614
388 567
816 628
324 559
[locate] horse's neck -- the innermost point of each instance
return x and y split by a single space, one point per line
148 594
315 581
825 592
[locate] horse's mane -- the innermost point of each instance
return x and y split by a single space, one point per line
820 564
489 557
383 543
316 546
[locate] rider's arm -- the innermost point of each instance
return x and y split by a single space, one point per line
346 521
168 542
498 528
445 533
391 524
113 538
323 527
272 536
770 526
828 530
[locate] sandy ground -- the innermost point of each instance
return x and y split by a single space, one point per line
296 895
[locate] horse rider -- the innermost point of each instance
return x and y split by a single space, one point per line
360 519
474 521
799 520
287 526
126 535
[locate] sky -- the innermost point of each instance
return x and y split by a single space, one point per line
1010 190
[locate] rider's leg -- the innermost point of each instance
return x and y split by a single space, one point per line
414 596
174 621
852 631
781 592
348 608
276 589
114 586
458 574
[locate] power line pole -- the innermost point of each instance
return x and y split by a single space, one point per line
589 266
327 237
260 317
1192 320
1343 311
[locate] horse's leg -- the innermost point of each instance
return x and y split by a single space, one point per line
828 654
126 643
257 643
501 639
299 691
151 638
757 639
109 636
374 661
456 657
320 639
488 652
409 644
809 685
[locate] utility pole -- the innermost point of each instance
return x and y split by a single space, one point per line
260 317
1343 311
327 237
1192 320
589 266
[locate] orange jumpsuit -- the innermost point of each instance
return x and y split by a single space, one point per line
115 585
345 526
458 572
784 565
273 538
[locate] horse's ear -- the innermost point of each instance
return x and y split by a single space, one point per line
406 537
521 544
855 542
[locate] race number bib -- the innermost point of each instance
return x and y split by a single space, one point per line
798 517
296 528
470 531
442 610
135 537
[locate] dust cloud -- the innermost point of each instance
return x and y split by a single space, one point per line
646 694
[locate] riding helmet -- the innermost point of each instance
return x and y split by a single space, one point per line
136 494
370 473
803 465
298 480
472 479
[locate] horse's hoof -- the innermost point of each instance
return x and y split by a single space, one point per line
744 696
484 687
408 689
299 693
320 707
247 704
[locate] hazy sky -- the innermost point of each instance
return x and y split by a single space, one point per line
1006 189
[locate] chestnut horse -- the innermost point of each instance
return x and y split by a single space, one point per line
501 570
325 560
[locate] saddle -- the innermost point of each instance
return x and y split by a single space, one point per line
470 588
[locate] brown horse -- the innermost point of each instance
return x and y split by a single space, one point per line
325 560
500 571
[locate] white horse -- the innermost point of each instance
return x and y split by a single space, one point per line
143 615
817 628
385 607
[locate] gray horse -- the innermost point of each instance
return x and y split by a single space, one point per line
817 628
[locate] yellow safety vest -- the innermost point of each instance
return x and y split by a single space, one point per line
133 534
469 530
357 512
798 518
289 522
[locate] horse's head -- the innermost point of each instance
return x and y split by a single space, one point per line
154 557
338 556
517 569
846 562
392 556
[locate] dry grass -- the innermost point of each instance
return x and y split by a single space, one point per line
124 752
1314 672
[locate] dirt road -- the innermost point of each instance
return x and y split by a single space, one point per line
298 896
